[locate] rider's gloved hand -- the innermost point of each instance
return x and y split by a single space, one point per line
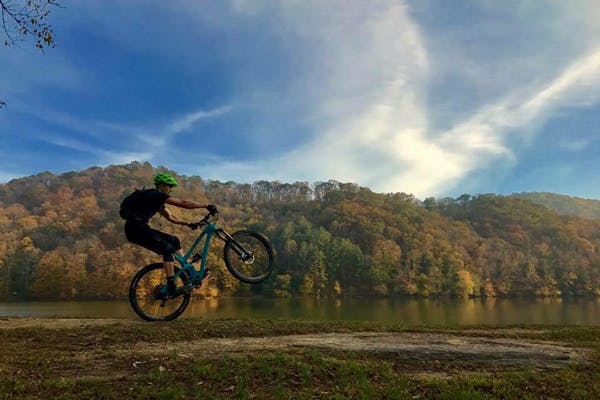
193 226
212 209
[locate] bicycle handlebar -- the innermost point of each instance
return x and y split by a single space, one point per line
212 209
207 217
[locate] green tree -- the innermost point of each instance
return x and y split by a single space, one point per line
283 286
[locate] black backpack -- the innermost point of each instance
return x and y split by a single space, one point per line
127 209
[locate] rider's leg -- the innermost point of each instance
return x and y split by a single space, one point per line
169 267
170 245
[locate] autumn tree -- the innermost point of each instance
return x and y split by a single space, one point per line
61 237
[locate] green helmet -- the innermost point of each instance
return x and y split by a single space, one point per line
165 178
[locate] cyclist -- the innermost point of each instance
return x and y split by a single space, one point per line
143 207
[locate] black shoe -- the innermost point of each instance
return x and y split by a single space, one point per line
178 291
171 287
158 293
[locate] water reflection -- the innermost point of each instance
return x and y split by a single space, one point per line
442 312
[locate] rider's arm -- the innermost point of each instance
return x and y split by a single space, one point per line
171 218
189 204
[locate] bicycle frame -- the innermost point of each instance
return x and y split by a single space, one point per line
195 275
189 268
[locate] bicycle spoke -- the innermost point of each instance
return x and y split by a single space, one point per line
148 295
248 257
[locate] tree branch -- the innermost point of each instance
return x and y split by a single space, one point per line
29 20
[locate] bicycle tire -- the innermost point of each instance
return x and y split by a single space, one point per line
145 303
248 256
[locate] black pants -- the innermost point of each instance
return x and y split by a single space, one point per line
159 242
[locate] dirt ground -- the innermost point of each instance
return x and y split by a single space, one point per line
471 347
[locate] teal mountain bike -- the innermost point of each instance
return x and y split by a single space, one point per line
247 255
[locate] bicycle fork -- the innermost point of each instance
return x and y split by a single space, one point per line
245 255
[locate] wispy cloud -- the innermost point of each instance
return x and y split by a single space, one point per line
104 142
70 143
102 156
187 121
575 86
83 127
158 138
161 136
576 145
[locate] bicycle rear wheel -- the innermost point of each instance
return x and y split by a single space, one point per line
146 298
248 256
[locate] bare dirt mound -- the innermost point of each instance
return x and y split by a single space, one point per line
417 346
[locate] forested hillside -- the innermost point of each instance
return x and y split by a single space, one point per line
62 239
566 205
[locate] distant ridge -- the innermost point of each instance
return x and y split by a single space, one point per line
560 203
564 204
62 238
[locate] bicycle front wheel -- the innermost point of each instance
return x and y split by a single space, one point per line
147 298
248 256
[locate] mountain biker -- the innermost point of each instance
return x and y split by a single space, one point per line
144 207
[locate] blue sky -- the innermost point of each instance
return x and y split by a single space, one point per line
435 98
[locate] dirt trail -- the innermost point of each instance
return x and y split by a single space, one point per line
470 348
417 346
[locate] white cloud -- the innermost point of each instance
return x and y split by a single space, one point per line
368 81
374 85
368 84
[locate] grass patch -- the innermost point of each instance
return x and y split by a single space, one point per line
95 361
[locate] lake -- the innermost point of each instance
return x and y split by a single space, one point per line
412 312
